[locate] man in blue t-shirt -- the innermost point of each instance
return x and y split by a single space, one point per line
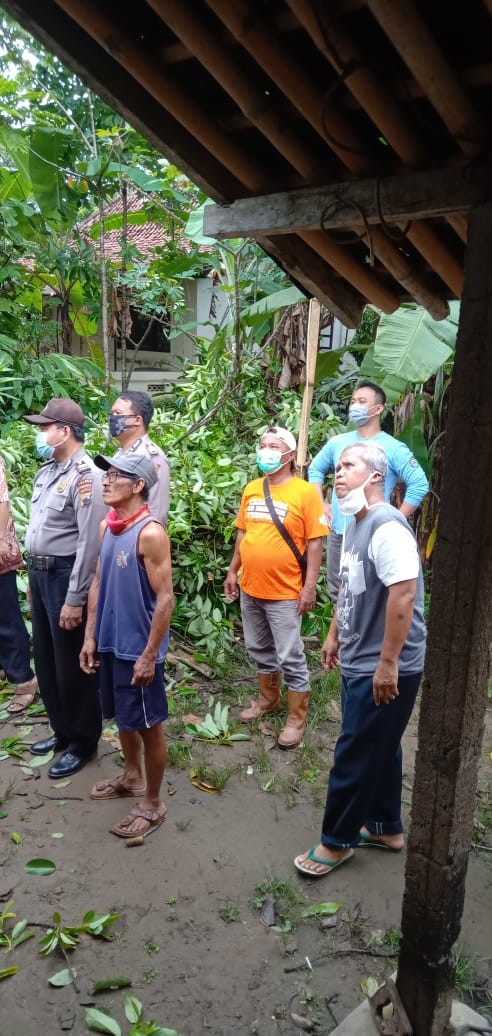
365 411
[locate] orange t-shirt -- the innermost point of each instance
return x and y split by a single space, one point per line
269 569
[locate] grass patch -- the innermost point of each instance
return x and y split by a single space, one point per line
323 691
286 895
178 755
469 985
228 910
310 761
217 776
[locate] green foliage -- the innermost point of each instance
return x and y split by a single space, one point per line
216 728
66 937
12 936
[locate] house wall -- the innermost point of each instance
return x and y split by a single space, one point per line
206 305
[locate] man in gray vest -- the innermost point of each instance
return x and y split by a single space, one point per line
127 635
378 639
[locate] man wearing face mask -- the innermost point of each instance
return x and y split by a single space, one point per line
62 544
129 420
377 637
273 597
365 412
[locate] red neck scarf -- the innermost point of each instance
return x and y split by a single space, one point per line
117 525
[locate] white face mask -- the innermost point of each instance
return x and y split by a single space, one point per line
356 499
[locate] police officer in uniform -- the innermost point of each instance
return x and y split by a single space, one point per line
129 420
62 545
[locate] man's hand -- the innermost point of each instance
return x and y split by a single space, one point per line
385 683
143 671
330 652
87 657
306 600
71 616
231 587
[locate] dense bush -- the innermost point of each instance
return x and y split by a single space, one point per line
209 468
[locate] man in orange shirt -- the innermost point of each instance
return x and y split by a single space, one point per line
273 597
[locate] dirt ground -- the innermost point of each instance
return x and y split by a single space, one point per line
189 934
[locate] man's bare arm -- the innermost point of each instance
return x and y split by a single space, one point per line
399 612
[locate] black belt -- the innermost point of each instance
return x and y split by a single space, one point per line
47 562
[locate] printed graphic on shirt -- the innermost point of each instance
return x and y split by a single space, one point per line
84 487
352 583
122 559
258 511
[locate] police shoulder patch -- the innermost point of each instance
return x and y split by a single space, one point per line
152 448
85 489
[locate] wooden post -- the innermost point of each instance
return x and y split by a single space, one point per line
455 680
307 399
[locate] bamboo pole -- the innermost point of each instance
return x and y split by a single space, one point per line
307 399
148 71
197 36
388 116
410 36
280 63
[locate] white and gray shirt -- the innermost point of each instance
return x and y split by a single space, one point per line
380 550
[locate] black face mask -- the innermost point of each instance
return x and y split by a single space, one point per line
117 423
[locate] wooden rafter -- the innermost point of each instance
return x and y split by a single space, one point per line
392 199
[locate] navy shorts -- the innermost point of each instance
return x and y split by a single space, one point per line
133 708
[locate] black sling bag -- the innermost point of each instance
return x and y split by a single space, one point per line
300 558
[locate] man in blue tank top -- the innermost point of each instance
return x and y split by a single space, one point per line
127 635
378 638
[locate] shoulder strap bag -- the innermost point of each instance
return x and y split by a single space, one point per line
300 558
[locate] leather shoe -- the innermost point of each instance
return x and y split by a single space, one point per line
69 763
58 744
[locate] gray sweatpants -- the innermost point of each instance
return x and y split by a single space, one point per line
333 552
273 639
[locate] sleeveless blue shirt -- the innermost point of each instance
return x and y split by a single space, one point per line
126 601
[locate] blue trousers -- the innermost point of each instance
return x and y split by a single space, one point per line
364 788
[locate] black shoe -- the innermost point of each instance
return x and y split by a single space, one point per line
69 763
58 744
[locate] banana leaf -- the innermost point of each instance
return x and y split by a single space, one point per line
411 345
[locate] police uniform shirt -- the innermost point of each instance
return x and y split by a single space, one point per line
66 511
159 493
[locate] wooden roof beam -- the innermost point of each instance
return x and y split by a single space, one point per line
413 41
387 114
396 199
280 63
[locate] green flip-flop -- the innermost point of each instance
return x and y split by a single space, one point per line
330 864
367 842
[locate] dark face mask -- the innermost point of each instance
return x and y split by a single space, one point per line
117 423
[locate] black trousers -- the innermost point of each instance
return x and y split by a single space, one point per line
70 696
14 639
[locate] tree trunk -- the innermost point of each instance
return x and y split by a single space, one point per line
455 681
66 328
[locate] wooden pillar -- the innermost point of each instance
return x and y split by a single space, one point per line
455 680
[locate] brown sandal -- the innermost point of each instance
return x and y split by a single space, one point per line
113 788
24 696
153 817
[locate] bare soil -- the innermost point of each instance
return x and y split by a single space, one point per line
189 934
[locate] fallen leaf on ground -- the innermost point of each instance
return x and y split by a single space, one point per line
15 837
40 867
9 971
202 785
40 760
63 978
62 784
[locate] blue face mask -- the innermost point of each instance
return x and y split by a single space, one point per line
117 423
269 460
43 448
358 413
